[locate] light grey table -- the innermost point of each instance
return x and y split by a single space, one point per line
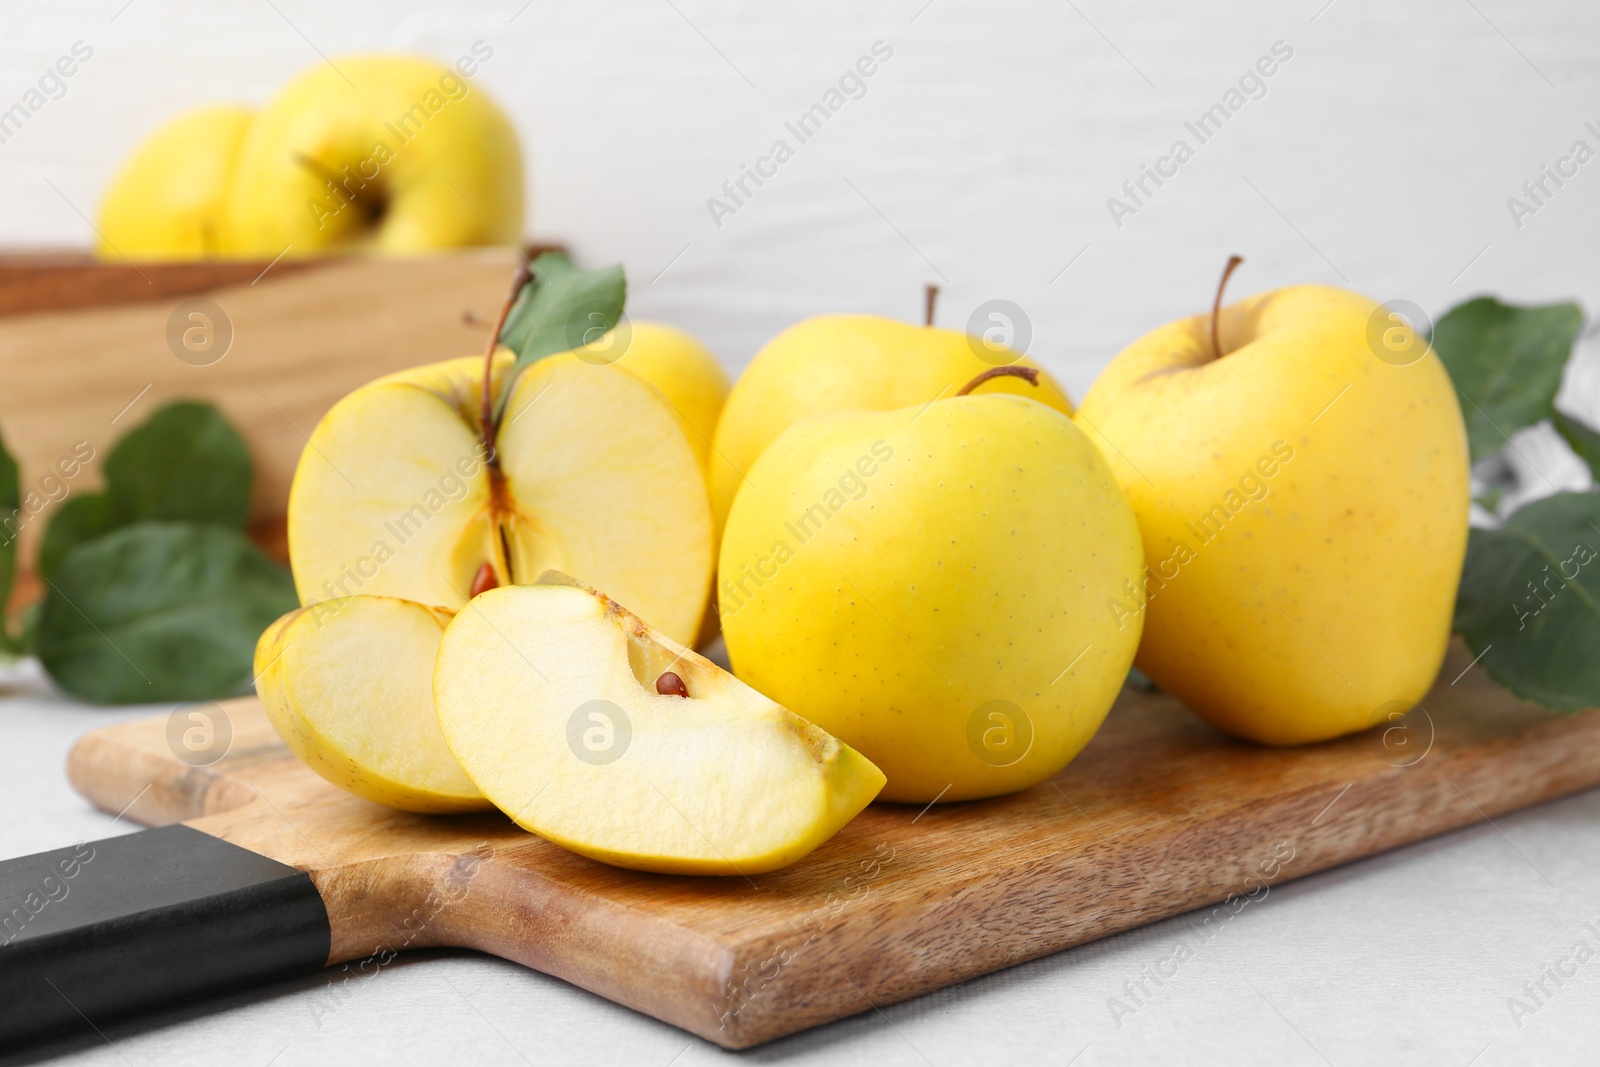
1408 958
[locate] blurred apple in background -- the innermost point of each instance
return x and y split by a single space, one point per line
167 200
391 154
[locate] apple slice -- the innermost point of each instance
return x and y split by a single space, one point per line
348 685
393 495
591 729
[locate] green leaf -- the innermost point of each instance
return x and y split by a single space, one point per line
1490 500
186 463
1506 361
160 611
1530 601
10 502
76 520
1584 441
560 309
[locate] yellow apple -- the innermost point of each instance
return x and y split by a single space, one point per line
393 494
1304 510
378 153
929 584
166 201
348 685
834 362
594 730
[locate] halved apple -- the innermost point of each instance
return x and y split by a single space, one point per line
394 495
591 729
348 685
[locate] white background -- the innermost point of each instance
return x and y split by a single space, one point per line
981 158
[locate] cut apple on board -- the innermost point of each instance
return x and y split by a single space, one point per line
394 495
348 685
592 729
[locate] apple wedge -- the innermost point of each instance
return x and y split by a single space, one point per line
348 685
394 494
590 728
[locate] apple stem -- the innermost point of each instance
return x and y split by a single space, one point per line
670 685
1028 374
316 166
523 276
1216 304
930 296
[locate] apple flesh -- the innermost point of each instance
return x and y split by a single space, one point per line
394 495
553 700
348 685
682 371
1304 511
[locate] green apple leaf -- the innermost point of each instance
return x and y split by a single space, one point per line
160 611
10 503
1529 603
1506 362
186 463
1584 441
559 309
76 520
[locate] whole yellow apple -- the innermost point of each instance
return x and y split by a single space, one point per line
834 362
377 153
1303 503
166 202
928 585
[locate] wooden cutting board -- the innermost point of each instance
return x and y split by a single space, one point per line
1160 815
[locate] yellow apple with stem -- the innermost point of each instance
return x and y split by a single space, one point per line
1302 490
376 153
928 584
166 201
591 728
436 483
838 362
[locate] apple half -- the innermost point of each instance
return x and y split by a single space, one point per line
348 685
395 496
597 732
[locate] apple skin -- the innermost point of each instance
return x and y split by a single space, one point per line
1328 598
963 555
166 201
834 362
452 180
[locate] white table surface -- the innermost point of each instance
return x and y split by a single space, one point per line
1405 958
981 158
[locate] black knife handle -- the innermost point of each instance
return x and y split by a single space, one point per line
154 918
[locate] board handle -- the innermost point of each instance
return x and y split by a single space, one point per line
150 919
